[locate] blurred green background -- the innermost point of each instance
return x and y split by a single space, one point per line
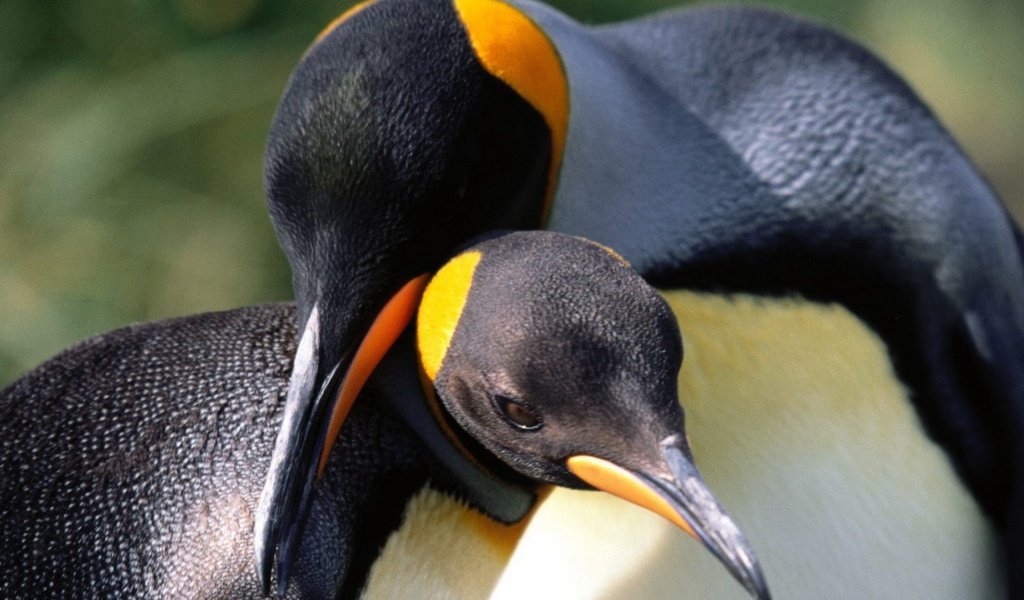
132 133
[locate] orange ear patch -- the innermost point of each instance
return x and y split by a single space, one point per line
442 305
514 49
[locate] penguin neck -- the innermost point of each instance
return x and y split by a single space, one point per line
478 477
619 147
448 546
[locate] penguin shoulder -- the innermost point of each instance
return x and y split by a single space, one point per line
718 58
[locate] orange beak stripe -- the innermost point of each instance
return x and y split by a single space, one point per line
609 477
386 328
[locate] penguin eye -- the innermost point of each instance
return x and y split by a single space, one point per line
517 413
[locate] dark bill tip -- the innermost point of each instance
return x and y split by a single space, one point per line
683 499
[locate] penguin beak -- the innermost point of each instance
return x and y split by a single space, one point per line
389 324
315 409
678 493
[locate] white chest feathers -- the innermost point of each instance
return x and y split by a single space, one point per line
810 442
802 431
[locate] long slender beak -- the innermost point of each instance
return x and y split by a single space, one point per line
319 399
684 499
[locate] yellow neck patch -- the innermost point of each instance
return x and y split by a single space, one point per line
512 48
440 309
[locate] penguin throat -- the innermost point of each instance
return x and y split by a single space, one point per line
472 450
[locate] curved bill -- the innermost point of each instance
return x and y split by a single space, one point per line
684 499
317 404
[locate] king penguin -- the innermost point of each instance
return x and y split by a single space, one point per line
782 186
132 461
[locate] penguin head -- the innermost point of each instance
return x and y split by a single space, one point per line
556 337
552 354
395 142
409 127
